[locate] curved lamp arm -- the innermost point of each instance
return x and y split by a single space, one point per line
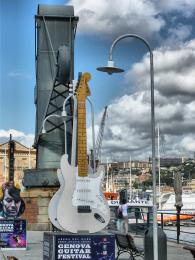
128 35
44 121
65 101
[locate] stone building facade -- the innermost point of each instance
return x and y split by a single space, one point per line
24 158
36 200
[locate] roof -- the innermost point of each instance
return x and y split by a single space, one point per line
18 146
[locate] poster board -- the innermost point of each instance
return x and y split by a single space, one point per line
98 246
13 234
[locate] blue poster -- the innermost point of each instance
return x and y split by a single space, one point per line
13 233
94 247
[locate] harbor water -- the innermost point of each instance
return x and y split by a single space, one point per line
187 234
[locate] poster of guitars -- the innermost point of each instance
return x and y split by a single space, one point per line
80 205
13 234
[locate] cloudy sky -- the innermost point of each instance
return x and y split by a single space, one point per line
168 25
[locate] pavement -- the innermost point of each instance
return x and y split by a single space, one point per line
34 249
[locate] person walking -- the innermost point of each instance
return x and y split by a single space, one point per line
124 221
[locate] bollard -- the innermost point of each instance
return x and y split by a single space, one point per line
148 244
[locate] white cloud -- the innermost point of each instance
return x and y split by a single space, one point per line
184 7
188 142
17 74
177 34
174 71
113 17
128 129
25 139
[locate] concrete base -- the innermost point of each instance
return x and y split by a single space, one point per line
36 212
40 178
61 245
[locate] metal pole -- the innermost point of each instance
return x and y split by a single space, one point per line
107 184
159 183
178 199
155 234
161 220
111 182
130 179
178 222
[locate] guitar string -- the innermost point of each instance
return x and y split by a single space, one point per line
86 162
85 155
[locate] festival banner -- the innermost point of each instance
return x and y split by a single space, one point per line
79 246
13 234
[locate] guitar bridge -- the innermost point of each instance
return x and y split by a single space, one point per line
84 209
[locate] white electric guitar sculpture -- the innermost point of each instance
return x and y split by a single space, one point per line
82 206
52 209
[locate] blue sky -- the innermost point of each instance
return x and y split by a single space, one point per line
18 68
169 28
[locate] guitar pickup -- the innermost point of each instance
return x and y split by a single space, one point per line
84 209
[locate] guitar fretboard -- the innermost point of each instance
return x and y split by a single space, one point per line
82 92
82 140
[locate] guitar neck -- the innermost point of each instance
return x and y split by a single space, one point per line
82 139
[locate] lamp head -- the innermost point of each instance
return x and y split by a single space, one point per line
44 131
110 68
64 114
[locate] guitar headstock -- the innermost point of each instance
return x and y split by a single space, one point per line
83 90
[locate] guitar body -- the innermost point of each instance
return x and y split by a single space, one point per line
52 209
82 193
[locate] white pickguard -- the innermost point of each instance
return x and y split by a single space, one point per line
87 193
52 209
82 191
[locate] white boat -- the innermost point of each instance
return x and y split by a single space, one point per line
137 210
168 206
132 203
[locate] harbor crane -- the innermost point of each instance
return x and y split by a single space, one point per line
98 145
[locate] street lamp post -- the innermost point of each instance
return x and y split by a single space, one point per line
130 178
159 179
110 68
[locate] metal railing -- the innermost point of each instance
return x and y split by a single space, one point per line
177 222
178 227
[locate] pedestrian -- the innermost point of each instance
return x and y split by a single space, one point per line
124 221
119 217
